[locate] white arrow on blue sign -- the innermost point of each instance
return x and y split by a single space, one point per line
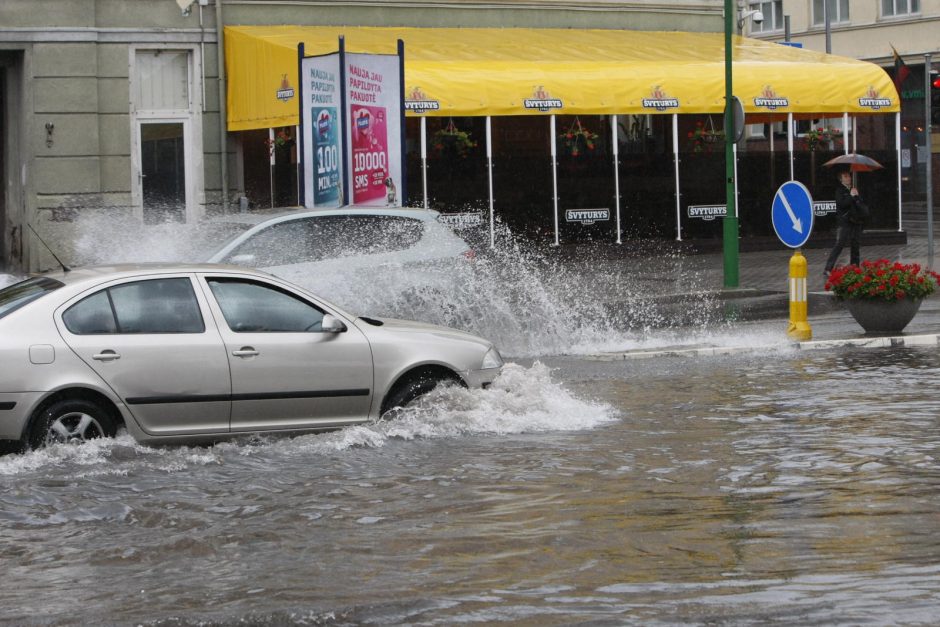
792 214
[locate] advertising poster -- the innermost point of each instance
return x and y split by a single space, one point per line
322 131
373 98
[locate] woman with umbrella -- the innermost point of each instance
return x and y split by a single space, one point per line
851 210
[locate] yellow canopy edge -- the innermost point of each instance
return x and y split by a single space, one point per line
493 71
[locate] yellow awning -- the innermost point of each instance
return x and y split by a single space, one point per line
492 71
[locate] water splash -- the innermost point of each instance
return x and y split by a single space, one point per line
521 400
528 299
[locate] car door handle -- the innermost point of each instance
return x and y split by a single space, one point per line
106 355
245 351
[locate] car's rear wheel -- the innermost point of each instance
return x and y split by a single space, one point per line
70 421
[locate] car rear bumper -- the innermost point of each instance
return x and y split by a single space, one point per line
15 409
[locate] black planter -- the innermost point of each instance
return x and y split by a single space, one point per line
883 317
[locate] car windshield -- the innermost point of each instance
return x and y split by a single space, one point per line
19 294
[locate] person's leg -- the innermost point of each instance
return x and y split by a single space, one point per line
855 246
842 236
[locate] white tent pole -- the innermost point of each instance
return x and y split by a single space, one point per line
675 158
845 131
790 141
554 172
271 163
854 134
614 143
424 160
897 145
734 151
489 167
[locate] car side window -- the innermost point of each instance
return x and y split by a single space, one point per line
278 245
254 307
150 306
383 234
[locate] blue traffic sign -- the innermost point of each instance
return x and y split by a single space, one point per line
792 214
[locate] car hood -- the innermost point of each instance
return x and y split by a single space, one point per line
391 325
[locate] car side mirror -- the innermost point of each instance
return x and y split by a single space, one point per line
242 260
331 325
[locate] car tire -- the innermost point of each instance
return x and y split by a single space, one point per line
404 393
70 421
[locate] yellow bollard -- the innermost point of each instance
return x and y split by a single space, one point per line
799 328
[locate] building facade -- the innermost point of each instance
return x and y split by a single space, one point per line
118 105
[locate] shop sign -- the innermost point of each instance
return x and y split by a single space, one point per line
769 99
659 100
587 216
822 208
542 101
286 92
707 212
459 220
419 102
873 100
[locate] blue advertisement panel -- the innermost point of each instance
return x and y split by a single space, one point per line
326 156
322 131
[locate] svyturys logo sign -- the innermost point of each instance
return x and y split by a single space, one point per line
286 92
419 102
659 100
873 100
769 99
542 101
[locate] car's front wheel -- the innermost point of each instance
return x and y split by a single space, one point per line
70 421
406 392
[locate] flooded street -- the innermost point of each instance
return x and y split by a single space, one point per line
785 487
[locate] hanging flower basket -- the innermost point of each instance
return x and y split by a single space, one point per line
822 137
704 137
577 139
453 140
281 139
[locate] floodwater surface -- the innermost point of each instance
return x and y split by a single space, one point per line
786 488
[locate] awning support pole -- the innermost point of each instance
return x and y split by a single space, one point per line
675 159
616 151
424 161
271 163
552 142
897 145
854 134
928 147
223 123
790 141
845 131
489 168
734 152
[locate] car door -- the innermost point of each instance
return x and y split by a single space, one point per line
155 344
286 372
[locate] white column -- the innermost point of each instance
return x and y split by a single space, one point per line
790 141
897 144
489 167
552 142
675 158
854 134
845 131
616 146
424 160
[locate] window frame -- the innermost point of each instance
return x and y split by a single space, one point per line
769 25
910 12
820 20
210 278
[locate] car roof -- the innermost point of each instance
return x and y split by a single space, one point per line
95 274
426 215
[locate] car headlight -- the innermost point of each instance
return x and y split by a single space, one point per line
492 359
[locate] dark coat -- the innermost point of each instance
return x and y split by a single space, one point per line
849 209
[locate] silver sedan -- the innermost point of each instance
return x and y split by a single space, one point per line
205 352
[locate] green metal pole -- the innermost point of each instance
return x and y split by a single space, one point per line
730 233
